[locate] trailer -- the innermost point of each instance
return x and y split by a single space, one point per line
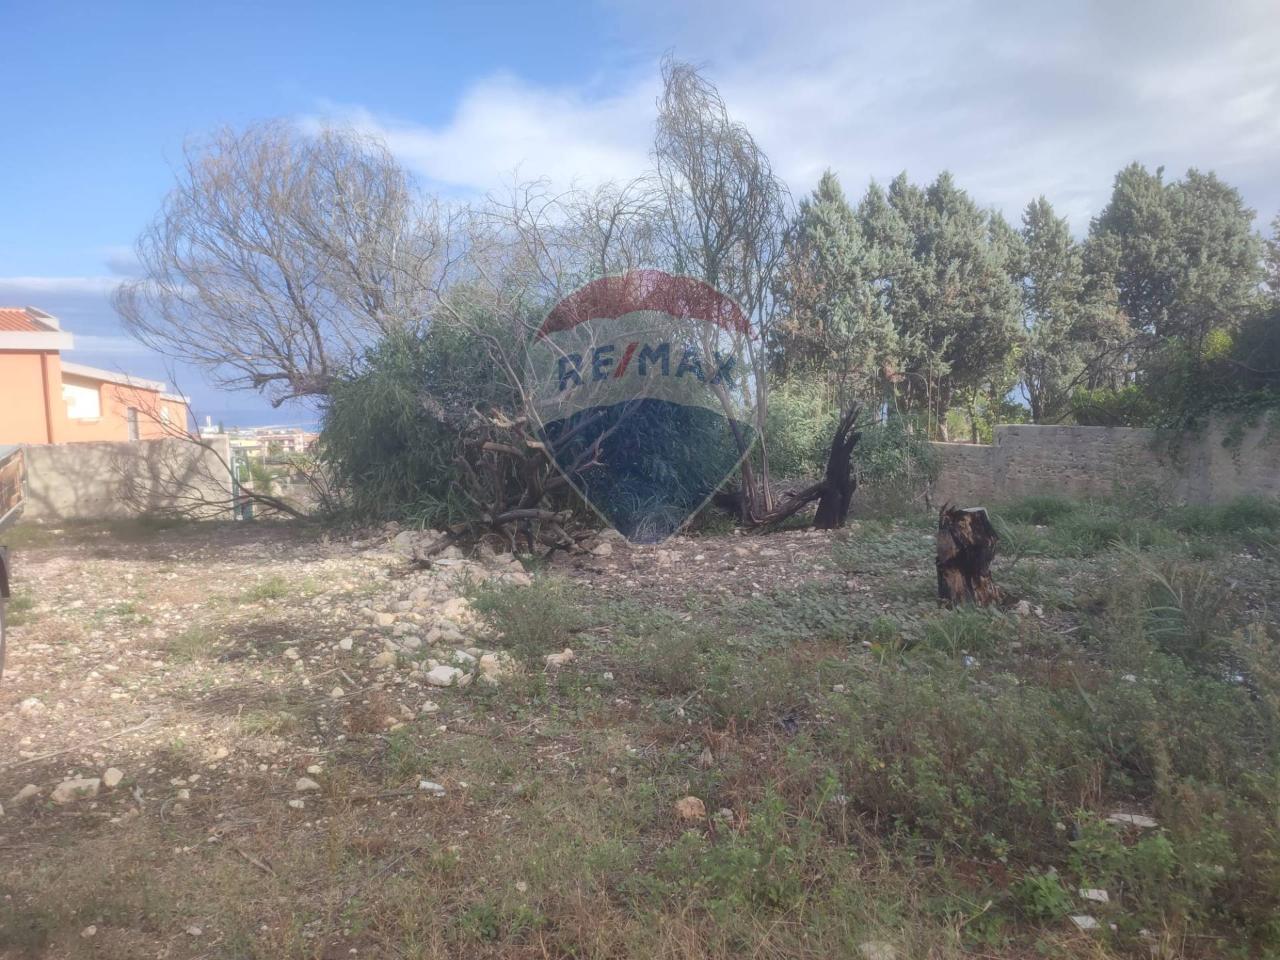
12 478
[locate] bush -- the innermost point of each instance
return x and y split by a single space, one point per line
391 431
530 621
799 429
1241 515
895 466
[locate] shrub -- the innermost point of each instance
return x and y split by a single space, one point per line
1039 510
391 430
895 466
531 620
799 429
1238 516
930 754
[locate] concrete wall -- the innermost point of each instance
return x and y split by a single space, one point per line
1099 461
92 481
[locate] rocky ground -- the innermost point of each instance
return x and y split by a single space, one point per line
198 680
277 741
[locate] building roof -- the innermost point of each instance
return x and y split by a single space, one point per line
26 328
112 376
17 319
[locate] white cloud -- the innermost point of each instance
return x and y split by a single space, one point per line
1016 98
504 128
100 344
46 286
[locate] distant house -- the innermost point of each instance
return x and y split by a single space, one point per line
44 399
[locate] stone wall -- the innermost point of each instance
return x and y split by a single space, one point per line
94 481
1209 467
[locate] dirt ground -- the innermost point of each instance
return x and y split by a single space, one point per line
205 664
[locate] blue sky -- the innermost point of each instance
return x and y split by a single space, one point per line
1016 98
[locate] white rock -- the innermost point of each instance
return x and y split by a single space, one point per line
31 706
1023 608
304 784
79 789
384 619
25 795
315 769
297 804
346 643
560 659
877 950
444 676
337 693
292 653
462 658
194 931
111 777
89 932
1132 820
430 706
603 549
431 787
384 659
1097 896
1084 922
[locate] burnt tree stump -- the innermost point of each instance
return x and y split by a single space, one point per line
966 547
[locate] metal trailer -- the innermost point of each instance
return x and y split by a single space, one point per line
12 476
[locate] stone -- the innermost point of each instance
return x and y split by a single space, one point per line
430 706
691 808
194 931
384 619
877 950
32 706
305 784
444 676
1133 820
385 659
89 932
431 787
1023 608
602 549
25 795
565 656
462 658
292 653
337 693
1084 922
496 667
297 804
79 789
315 770
345 644
111 777
457 609
1095 895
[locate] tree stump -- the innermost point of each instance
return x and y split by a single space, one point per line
966 547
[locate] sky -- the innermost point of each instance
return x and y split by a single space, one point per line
1016 97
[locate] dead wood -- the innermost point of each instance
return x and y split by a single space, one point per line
966 543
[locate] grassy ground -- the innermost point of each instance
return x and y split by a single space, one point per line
873 771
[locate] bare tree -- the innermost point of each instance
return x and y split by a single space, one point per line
278 257
727 218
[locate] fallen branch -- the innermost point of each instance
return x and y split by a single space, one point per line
79 746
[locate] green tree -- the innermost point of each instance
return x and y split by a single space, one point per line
833 325
1049 272
1182 259
941 272
1271 257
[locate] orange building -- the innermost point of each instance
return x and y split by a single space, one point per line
44 399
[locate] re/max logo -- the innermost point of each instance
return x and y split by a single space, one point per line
604 363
